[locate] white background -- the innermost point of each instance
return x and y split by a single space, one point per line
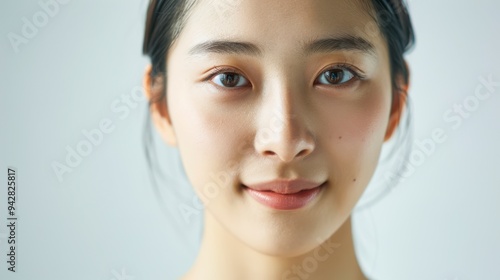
103 220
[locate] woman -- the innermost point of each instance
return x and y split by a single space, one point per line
279 110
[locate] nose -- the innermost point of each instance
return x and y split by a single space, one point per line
283 130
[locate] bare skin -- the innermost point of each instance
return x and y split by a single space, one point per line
334 259
281 119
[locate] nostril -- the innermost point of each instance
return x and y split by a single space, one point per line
269 153
302 153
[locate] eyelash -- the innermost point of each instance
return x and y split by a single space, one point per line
344 66
223 70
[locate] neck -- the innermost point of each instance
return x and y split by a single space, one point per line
224 257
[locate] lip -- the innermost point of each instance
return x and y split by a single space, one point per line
285 194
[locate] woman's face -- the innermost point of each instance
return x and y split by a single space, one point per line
303 91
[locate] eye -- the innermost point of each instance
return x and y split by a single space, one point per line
229 80
337 76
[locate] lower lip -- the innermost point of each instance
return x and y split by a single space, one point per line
284 201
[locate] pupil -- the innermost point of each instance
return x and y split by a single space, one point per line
229 80
334 76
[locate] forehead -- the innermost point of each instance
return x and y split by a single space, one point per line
280 26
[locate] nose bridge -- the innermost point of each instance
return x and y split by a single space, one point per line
284 131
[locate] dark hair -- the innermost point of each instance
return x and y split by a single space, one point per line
166 18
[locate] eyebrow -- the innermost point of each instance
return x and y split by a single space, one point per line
346 42
323 45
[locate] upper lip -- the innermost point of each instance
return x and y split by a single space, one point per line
285 186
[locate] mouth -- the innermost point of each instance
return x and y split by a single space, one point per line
285 201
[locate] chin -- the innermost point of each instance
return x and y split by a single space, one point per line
280 240
284 249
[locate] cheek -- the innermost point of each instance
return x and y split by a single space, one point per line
355 133
369 118
208 141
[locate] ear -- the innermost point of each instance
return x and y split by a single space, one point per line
153 88
398 104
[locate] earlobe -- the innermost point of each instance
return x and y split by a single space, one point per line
398 104
153 88
396 113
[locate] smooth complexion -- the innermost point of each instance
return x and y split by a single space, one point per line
279 118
